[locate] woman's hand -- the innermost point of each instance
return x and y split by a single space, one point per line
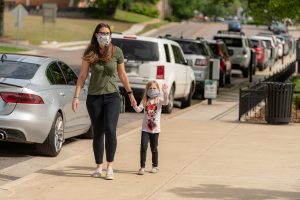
165 88
75 104
132 100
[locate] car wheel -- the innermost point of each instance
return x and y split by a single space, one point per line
222 79
168 108
186 102
228 78
89 134
53 143
245 72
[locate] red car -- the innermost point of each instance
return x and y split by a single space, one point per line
259 47
219 49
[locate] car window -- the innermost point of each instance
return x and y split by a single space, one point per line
178 55
214 48
55 72
192 48
17 70
70 76
255 43
137 49
224 50
168 59
230 42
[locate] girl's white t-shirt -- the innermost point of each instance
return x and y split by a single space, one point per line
152 112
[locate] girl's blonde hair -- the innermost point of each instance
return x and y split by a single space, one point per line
145 96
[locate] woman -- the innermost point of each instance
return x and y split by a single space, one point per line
104 61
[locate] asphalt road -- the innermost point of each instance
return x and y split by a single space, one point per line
18 160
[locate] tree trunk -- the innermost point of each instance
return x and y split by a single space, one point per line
1 18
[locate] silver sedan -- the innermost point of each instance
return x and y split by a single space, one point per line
36 96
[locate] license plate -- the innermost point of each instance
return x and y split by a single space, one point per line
131 69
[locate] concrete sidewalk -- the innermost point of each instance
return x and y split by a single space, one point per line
204 153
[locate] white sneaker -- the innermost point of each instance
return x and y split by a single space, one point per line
97 173
141 171
109 174
154 170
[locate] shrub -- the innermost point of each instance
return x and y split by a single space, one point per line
144 9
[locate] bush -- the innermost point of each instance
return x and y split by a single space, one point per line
144 9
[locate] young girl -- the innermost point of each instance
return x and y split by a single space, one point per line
151 104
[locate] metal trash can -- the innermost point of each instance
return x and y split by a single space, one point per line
279 102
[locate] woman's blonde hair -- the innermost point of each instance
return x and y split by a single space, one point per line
145 96
92 54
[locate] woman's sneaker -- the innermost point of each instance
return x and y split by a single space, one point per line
141 171
97 173
154 170
109 174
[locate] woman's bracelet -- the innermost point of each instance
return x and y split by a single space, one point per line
75 97
129 92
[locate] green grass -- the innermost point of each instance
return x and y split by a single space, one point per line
129 17
64 30
5 49
153 26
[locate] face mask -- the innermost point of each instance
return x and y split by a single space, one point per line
153 93
103 40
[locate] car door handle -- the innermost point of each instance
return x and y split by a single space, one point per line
62 94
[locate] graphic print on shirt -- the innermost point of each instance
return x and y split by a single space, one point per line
151 110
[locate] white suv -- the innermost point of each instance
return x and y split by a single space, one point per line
238 48
157 59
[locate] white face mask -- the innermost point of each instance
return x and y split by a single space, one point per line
152 93
104 40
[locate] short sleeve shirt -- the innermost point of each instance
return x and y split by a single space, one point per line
104 75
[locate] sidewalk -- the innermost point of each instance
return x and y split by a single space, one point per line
204 153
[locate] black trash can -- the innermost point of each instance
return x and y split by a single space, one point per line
279 102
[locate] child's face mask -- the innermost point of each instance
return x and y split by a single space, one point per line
103 40
152 93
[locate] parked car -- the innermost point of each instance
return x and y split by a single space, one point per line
198 54
270 48
261 53
234 26
148 58
284 44
238 48
220 50
36 95
274 43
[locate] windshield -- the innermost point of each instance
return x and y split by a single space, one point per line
17 70
137 49
231 42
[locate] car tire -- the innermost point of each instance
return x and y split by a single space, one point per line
186 102
168 108
222 79
53 144
89 134
228 78
245 72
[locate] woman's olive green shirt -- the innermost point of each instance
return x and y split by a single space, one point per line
104 75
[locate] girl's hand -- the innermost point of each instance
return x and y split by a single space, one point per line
165 88
75 104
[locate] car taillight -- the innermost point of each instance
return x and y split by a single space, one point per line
160 72
244 52
259 50
14 97
201 62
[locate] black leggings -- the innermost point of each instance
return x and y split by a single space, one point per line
104 113
153 145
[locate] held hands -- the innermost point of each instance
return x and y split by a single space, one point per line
75 104
132 100
165 88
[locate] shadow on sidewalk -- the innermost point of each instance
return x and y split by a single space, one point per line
77 171
214 191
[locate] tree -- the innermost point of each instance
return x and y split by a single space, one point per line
1 18
183 9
